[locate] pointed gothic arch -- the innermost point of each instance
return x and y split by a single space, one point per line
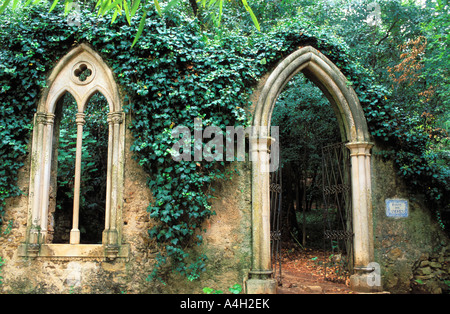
82 73
319 69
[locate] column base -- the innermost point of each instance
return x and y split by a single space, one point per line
110 237
366 283
261 286
74 236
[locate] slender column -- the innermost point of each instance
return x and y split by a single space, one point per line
108 176
36 172
261 266
75 232
362 223
260 281
369 200
359 152
115 119
47 156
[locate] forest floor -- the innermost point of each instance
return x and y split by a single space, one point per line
302 272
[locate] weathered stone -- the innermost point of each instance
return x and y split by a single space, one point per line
260 286
395 253
435 265
426 277
424 271
424 263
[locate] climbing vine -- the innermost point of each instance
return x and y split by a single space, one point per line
172 75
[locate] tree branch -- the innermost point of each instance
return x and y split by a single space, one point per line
194 6
387 33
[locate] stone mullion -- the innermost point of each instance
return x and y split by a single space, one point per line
75 232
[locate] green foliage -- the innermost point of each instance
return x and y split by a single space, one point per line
173 75
136 8
235 289
208 290
408 121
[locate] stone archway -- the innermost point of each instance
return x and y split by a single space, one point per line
319 69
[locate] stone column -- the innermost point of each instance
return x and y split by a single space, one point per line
108 178
46 170
110 234
35 179
260 275
362 216
75 232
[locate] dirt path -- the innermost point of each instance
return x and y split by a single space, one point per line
302 273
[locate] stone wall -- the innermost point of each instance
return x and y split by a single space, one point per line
413 252
226 243
402 244
431 273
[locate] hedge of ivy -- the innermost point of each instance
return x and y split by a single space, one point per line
176 73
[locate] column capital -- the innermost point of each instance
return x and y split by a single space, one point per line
50 118
359 148
115 117
45 118
80 118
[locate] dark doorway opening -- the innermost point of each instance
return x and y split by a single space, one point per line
307 126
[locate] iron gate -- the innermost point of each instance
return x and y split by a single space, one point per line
337 213
275 226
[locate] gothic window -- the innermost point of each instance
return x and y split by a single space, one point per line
76 175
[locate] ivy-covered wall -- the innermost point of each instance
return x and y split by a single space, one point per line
174 74
402 243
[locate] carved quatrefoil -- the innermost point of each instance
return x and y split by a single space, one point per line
82 73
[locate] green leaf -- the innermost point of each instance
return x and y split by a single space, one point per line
114 16
114 4
141 28
158 7
134 7
4 5
15 4
127 11
170 5
252 15
208 290
220 11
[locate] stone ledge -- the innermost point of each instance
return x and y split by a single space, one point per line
75 250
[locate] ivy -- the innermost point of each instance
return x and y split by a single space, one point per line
172 75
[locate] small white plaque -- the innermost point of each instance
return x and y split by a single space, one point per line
397 208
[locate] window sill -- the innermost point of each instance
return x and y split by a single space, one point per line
74 250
